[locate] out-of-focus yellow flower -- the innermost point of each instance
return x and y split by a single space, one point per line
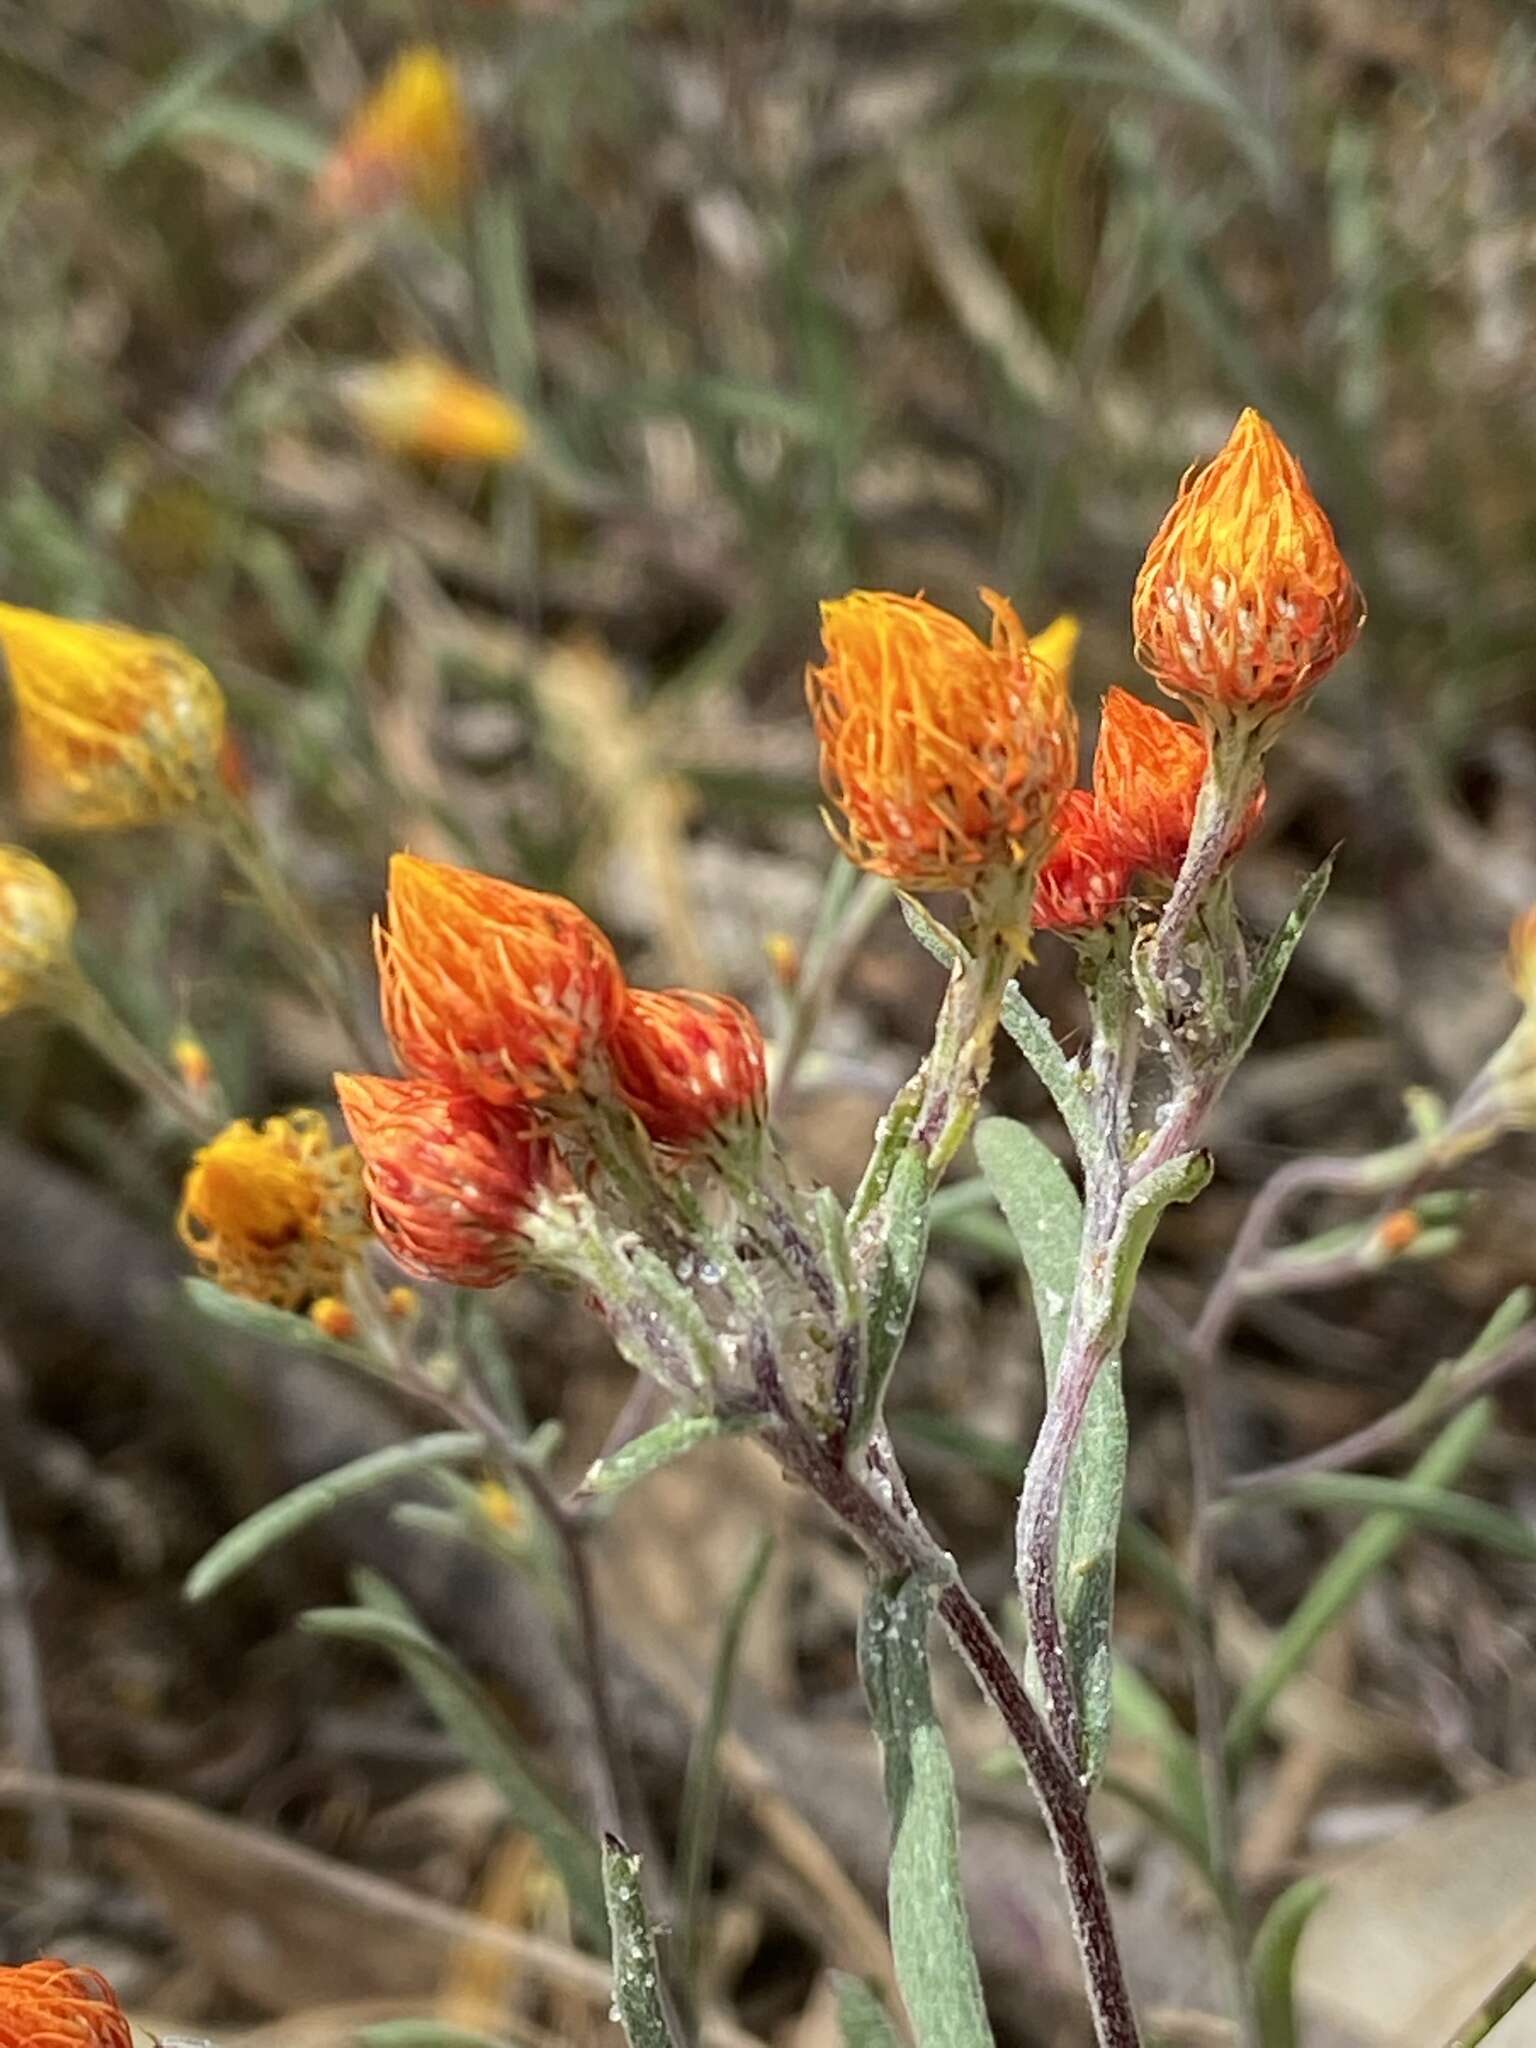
401 1304
275 1213
1244 602
37 922
408 142
946 756
501 1508
189 1056
1056 646
333 1318
422 406
113 727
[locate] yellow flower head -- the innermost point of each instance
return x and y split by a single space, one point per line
1244 602
275 1213
946 756
409 141
37 921
419 405
113 727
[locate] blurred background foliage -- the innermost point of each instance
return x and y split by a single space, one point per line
796 294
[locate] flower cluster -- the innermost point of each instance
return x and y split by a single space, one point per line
407 143
511 1016
274 1212
49 2004
113 727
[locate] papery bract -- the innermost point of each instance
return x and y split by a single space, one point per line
274 1212
945 755
1244 602
1085 878
113 727
37 922
688 1063
502 991
451 1179
51 2004
1147 770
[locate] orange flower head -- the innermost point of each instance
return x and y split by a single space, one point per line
688 1064
408 143
113 727
452 1180
275 1212
1244 602
1147 771
502 991
945 756
37 922
1084 879
50 2004
420 405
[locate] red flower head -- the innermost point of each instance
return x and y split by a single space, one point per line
1084 879
50 2004
451 1179
945 755
1244 602
1147 770
484 986
687 1063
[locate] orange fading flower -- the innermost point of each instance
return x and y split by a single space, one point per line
452 1180
408 142
1244 602
49 2004
1085 878
505 992
945 755
37 922
113 727
1147 771
275 1212
422 406
688 1064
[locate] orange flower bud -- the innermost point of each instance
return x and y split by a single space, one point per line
784 961
1147 771
945 756
401 1304
1084 879
1397 1231
451 1179
50 2004
189 1056
274 1213
113 727
688 1063
37 922
1244 601
409 141
503 991
420 405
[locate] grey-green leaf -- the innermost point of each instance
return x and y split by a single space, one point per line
862 2021
271 1325
251 1539
421 2034
637 1995
647 1453
1269 969
1062 1079
904 1208
930 1933
478 1728
1043 1212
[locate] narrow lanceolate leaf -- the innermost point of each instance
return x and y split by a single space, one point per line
1063 1080
904 1209
638 2003
416 2034
862 2021
1274 1960
1045 1216
645 1454
1269 969
930 1934
479 1730
271 1325
1177 1180
279 1519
